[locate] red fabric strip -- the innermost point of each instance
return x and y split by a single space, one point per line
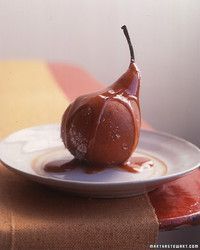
73 80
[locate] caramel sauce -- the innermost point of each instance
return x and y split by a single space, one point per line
133 165
62 166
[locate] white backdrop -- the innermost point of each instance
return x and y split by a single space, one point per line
166 37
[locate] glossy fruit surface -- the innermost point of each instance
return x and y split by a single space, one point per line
103 127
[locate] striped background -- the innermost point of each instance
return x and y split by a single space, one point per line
35 92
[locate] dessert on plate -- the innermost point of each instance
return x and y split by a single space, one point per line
102 129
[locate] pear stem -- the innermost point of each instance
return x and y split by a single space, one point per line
125 30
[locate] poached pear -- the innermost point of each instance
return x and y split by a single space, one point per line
103 128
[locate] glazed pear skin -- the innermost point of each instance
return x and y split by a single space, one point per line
103 128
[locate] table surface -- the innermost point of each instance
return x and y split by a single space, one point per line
176 203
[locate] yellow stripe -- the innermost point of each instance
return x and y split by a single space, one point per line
29 96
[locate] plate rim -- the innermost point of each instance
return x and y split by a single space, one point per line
92 183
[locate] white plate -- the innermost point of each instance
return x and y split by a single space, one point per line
27 150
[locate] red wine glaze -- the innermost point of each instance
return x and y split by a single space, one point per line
132 165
